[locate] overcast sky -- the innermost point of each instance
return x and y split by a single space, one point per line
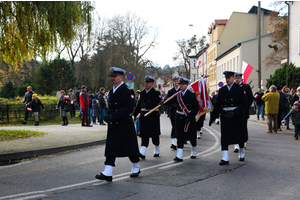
172 19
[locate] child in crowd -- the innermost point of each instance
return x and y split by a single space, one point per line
95 110
295 115
35 104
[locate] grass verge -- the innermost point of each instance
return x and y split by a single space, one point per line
7 135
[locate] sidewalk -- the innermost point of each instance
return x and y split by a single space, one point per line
57 139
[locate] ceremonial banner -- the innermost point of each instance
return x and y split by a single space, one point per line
205 105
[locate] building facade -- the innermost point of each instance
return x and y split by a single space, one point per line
294 33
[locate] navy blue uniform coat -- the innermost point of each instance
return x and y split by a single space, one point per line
121 136
233 131
150 125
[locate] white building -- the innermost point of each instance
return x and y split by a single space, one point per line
294 33
246 51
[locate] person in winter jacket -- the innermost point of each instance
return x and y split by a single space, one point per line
295 114
35 105
95 110
64 104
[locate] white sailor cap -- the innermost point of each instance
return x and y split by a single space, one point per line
115 71
238 74
228 73
174 78
183 80
149 78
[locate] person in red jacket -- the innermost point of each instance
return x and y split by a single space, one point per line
84 105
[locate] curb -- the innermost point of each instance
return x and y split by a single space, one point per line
42 152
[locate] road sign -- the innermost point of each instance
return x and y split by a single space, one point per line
220 84
130 76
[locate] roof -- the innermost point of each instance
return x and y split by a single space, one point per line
237 46
215 23
199 53
263 11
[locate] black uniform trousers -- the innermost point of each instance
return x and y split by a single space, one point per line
145 141
180 143
200 122
111 160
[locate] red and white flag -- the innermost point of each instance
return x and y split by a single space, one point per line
199 63
256 96
205 105
247 69
189 67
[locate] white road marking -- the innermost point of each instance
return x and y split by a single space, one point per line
118 177
32 197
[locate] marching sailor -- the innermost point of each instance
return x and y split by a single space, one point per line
232 97
150 125
185 122
121 138
239 80
172 110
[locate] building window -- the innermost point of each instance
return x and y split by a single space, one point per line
237 63
234 65
231 65
194 63
228 65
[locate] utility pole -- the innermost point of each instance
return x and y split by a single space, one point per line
259 44
202 55
288 47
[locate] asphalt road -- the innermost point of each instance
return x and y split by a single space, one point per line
270 171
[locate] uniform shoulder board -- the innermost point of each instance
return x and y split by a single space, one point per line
129 88
241 85
192 92
156 90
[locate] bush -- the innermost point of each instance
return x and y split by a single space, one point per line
8 90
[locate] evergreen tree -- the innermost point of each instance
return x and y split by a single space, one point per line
8 90
279 77
55 76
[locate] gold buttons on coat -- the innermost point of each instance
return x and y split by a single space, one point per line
109 103
231 99
117 123
116 103
231 104
187 104
110 122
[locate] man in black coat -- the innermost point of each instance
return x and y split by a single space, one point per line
239 80
172 110
260 104
150 125
121 138
187 108
27 99
232 97
282 104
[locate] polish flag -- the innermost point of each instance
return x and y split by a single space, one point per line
29 109
189 67
247 69
256 96
198 63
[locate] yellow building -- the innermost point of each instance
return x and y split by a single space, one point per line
214 32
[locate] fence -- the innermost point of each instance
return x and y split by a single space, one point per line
14 112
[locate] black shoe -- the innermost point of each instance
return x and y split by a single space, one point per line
142 156
23 122
173 147
133 175
156 155
36 124
185 142
103 177
199 137
296 138
236 151
288 128
223 162
192 157
103 124
176 159
279 129
242 159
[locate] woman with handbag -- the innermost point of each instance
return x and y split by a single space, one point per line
64 104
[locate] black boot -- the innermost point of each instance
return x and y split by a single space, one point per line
288 128
64 121
67 122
